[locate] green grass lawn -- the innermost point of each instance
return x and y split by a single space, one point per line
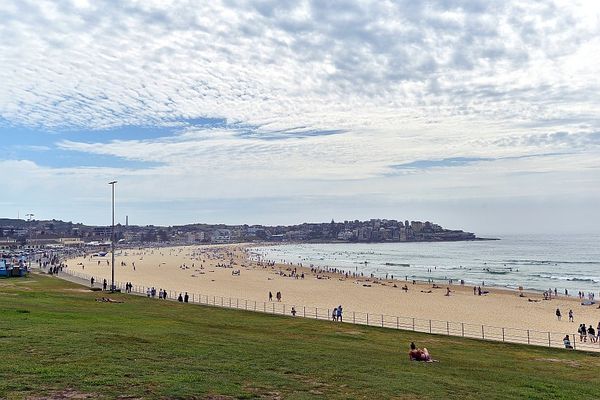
55 337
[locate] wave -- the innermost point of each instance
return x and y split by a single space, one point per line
567 278
548 262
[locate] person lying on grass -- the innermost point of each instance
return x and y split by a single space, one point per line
107 300
416 354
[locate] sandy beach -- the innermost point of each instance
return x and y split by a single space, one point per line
207 270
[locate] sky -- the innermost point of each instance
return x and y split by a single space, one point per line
478 115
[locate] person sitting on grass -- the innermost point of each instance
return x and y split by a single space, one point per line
416 354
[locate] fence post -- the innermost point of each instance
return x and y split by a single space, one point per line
448 328
284 309
367 319
397 323
316 316
462 326
273 308
382 320
429 326
413 324
264 307
482 332
574 341
549 342
528 336
237 303
353 317
503 334
304 311
246 304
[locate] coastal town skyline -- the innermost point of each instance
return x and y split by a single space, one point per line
33 233
475 114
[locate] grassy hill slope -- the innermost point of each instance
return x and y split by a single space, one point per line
56 340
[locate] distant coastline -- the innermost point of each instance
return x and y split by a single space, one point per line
36 233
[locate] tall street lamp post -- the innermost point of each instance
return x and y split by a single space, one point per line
112 237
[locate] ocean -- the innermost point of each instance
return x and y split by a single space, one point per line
534 262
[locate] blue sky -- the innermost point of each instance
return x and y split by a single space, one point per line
474 114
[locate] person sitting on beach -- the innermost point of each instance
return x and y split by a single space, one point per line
448 291
416 354
567 342
405 288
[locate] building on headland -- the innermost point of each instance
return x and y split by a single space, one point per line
39 234
221 236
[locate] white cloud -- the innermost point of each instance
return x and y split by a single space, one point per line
398 81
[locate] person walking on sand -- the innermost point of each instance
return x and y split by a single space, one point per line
339 313
270 296
334 314
582 333
571 316
278 296
558 314
591 334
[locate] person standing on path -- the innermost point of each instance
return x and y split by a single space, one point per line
92 282
186 298
339 313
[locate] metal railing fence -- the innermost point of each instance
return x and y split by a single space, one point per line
431 326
